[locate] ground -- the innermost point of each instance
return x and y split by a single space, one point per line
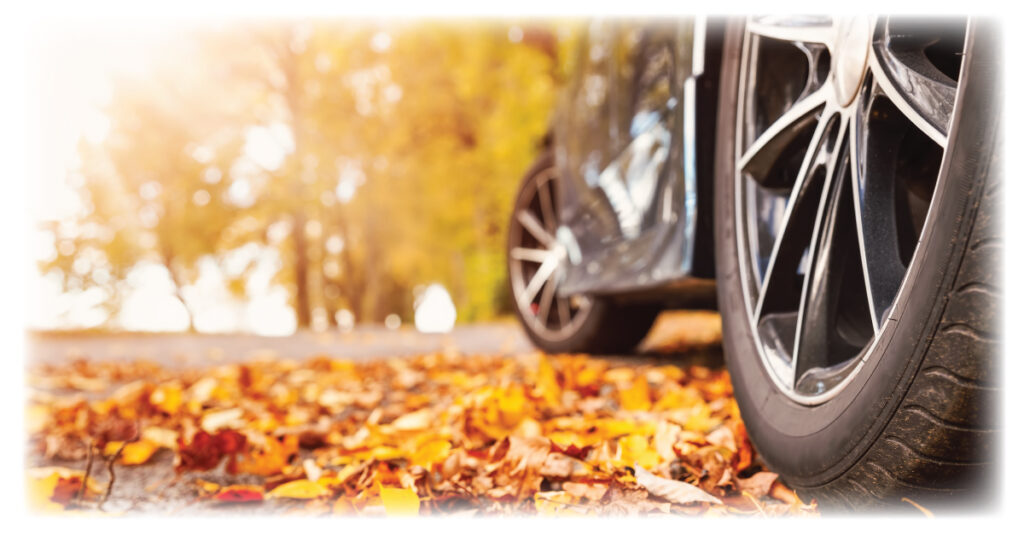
380 422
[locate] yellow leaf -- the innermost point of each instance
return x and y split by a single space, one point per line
637 397
547 383
678 398
512 405
138 452
701 420
299 489
400 502
384 452
207 487
111 447
40 490
431 452
636 449
166 397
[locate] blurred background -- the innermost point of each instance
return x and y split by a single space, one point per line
277 177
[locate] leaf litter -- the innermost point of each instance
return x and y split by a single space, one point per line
440 433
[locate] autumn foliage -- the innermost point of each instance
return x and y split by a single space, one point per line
432 434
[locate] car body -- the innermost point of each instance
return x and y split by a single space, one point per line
637 181
830 185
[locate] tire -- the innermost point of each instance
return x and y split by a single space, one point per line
597 325
916 418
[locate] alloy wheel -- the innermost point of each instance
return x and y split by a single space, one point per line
841 131
537 262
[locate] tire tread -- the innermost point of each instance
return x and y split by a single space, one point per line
938 446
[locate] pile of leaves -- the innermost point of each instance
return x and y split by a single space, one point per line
433 434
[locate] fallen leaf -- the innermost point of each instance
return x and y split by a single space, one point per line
672 490
299 489
400 502
758 485
591 491
637 397
167 397
430 453
417 420
228 418
138 452
205 451
553 502
239 494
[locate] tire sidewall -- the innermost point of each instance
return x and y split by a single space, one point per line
812 445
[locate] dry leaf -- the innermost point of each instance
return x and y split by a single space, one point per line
672 490
758 485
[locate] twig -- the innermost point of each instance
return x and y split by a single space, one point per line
110 470
88 469
110 464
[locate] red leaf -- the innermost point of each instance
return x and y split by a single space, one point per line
66 489
239 494
206 451
572 450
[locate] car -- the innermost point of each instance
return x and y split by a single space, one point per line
832 187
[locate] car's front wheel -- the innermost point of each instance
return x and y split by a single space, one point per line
856 197
536 267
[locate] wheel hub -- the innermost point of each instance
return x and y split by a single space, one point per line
850 57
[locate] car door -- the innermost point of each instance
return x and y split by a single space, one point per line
617 148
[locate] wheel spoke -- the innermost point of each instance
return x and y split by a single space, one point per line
529 254
547 207
856 143
916 87
790 241
805 30
544 307
761 156
547 268
530 223
821 285
564 315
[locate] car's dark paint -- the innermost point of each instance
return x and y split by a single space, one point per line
631 142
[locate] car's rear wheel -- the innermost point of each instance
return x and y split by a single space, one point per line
536 267
856 252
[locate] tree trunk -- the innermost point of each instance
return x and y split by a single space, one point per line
176 280
302 309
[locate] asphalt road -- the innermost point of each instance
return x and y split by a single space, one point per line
201 349
692 336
